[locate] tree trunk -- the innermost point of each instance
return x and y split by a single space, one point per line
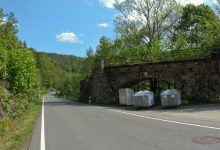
154 88
1 112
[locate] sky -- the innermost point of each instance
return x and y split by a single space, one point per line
66 26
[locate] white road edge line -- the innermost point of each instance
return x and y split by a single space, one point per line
42 145
164 120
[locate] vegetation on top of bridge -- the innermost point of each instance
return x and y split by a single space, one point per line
172 55
171 33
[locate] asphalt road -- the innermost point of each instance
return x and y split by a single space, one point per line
74 126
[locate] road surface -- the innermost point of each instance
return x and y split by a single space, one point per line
74 126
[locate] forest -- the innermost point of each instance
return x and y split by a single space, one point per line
146 31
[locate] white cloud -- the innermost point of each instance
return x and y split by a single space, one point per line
3 20
103 25
216 2
68 37
195 2
110 3
107 3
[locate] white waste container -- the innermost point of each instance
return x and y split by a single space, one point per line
126 96
170 98
143 99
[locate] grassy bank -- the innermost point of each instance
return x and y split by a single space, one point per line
19 131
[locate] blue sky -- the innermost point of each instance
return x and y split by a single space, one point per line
64 26
42 22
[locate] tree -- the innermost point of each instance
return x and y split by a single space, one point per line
88 63
89 52
8 30
22 73
155 18
19 75
104 50
178 42
216 44
48 71
144 28
198 24
129 32
3 63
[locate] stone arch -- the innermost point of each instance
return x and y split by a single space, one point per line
197 78
133 82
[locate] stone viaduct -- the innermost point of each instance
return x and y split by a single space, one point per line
198 79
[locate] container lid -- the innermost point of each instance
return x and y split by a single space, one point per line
143 93
169 92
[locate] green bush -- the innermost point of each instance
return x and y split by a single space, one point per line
4 99
3 63
19 75
23 74
71 86
3 126
216 99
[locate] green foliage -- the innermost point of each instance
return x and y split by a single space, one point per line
71 85
8 30
151 34
19 77
198 24
23 75
179 42
103 50
162 32
87 66
3 63
152 19
18 131
47 70
190 34
70 82
54 67
24 81
61 73
4 99
3 126
216 45
69 63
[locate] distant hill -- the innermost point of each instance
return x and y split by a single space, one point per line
69 63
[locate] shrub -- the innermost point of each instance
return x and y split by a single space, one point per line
3 126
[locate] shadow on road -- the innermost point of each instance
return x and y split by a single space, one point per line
188 109
53 101
62 102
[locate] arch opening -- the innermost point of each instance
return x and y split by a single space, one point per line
151 84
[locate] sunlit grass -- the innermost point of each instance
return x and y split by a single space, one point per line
19 131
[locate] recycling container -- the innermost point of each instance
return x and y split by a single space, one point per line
170 98
143 99
126 96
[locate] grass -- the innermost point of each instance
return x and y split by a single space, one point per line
17 135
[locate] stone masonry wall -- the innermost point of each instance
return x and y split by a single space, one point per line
198 79
96 87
